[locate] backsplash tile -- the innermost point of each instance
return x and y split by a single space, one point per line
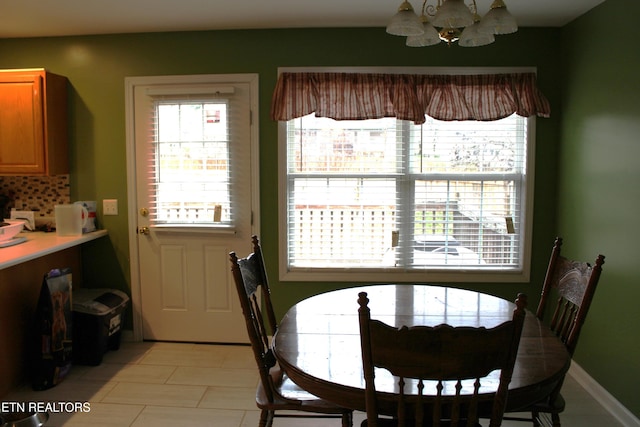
36 193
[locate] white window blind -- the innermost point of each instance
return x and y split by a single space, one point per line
386 194
190 160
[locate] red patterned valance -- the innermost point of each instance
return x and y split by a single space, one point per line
358 96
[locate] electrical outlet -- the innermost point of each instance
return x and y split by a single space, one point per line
110 207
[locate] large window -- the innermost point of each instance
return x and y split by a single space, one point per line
385 199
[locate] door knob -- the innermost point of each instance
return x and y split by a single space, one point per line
144 230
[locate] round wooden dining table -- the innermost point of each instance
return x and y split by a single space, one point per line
318 340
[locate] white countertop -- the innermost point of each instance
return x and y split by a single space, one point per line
40 243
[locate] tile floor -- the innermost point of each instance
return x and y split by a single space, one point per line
168 384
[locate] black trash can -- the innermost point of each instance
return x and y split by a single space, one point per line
98 315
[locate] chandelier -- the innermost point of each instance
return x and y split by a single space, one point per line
450 21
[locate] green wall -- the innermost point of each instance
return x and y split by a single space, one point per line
599 185
593 168
97 66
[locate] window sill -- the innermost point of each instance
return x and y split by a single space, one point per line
359 275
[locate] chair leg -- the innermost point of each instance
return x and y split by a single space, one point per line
556 420
535 419
347 419
266 418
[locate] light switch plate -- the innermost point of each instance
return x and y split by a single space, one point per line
110 207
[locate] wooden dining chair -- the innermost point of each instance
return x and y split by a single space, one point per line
442 372
275 392
263 282
572 284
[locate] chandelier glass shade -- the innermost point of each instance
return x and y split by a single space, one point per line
453 14
451 21
498 20
429 37
405 22
474 36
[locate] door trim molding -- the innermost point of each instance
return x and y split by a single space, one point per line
130 85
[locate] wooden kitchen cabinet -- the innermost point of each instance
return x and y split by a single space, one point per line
33 123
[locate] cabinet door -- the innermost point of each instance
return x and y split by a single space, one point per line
22 139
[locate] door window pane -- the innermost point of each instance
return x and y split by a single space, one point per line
192 162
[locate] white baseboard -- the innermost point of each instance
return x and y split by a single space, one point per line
610 403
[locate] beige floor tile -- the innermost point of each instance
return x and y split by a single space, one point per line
70 390
214 377
358 417
580 420
107 415
158 384
171 345
150 374
240 357
128 354
183 357
251 419
76 373
229 398
233 356
156 394
220 348
78 391
154 416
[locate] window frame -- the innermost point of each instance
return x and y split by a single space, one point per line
394 274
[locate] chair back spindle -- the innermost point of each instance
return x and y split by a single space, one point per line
442 372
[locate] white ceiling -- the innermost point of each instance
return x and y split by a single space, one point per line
42 18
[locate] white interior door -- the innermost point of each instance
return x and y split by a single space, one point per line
195 202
